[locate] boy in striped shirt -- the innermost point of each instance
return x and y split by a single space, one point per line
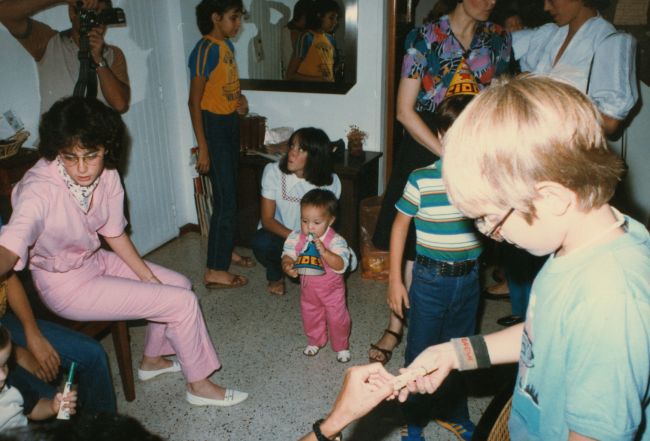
443 298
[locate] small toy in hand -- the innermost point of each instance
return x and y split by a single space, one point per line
309 262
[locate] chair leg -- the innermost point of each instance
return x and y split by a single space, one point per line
122 345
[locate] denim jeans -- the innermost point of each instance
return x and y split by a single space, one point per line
442 308
520 268
96 392
222 134
267 248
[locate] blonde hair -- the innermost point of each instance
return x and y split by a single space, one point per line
522 131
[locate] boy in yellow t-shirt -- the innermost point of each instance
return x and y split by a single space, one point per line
215 104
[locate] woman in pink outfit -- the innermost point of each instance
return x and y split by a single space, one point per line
61 206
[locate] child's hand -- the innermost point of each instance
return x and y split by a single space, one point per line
396 297
203 161
69 402
320 247
287 267
242 105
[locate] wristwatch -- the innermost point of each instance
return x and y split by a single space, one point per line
320 436
102 63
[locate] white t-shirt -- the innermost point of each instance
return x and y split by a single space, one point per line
612 84
287 191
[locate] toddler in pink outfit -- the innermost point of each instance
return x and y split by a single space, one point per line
322 297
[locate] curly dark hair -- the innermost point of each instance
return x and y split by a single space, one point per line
84 122
206 8
318 169
320 198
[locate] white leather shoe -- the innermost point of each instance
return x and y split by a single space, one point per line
148 375
231 398
343 356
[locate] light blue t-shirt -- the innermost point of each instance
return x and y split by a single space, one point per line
585 355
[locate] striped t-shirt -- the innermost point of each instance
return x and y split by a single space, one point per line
442 232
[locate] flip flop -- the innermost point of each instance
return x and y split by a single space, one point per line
236 282
244 262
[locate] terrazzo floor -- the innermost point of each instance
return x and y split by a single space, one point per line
260 340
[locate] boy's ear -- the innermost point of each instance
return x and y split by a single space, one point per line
554 198
216 18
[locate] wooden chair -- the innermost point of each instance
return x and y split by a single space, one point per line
121 340
118 330
493 425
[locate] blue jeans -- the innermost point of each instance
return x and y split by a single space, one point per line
222 134
442 308
93 375
267 248
520 268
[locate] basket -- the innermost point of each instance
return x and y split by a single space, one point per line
10 146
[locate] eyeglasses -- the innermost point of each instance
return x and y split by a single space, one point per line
493 233
71 160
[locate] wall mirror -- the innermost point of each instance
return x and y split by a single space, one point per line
257 48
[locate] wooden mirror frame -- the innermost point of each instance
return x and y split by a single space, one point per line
339 87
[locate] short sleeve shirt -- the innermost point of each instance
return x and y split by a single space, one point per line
585 358
433 54
317 51
214 60
50 230
286 190
442 232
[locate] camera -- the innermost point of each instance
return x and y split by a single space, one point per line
89 18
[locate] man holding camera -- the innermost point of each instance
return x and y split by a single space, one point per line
57 53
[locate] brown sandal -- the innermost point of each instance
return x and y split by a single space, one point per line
384 354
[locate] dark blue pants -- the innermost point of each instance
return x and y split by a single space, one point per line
520 268
267 248
222 134
93 376
442 308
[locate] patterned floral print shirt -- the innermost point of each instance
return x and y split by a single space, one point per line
433 53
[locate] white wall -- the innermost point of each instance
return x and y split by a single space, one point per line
156 45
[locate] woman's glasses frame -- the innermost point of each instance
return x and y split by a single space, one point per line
71 159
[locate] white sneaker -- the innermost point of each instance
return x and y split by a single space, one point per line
311 350
343 356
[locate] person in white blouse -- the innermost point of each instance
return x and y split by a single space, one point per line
583 48
307 165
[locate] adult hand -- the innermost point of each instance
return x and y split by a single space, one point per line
397 296
96 42
363 388
439 360
48 359
203 161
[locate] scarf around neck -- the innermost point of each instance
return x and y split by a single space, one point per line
81 194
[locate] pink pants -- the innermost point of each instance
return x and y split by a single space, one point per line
105 289
322 302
